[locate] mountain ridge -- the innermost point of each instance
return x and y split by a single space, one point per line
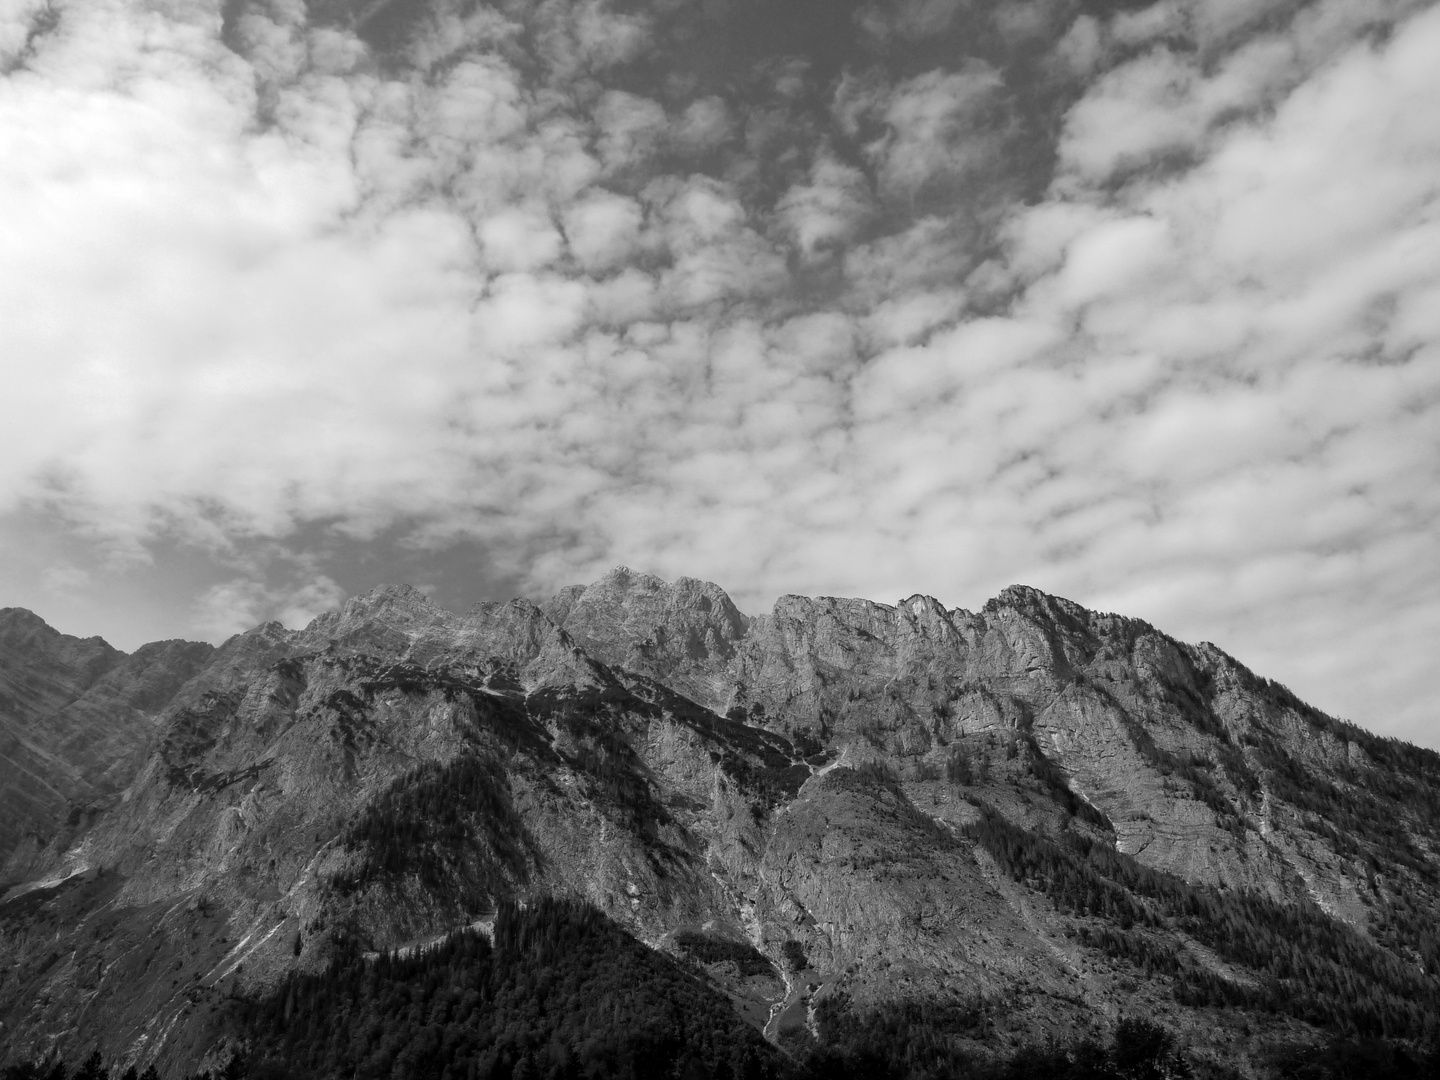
896 795
72 712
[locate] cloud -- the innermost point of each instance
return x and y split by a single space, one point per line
235 606
589 38
716 253
929 253
942 127
1111 259
520 239
911 20
830 210
65 578
1082 46
705 125
603 230
631 129
513 292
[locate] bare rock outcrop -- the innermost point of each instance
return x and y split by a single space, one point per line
1019 810
74 713
683 634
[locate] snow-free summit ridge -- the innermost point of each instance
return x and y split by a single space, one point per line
838 808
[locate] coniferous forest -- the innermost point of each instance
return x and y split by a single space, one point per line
562 993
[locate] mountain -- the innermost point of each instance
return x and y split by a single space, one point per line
73 714
902 834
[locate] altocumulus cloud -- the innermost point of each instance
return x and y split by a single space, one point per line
1138 306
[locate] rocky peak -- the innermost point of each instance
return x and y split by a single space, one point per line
400 603
925 609
42 671
1029 599
1074 634
150 676
29 646
682 633
383 619
519 634
73 713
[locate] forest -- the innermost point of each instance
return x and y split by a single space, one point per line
1308 965
563 993
560 992
451 825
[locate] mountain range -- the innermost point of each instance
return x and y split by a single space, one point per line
841 833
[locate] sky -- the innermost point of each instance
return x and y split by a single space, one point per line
1137 304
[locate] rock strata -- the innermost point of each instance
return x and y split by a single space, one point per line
840 803
73 714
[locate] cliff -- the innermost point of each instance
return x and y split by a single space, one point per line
1060 815
73 714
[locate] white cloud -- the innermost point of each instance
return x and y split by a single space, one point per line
1167 18
235 606
244 297
929 253
603 229
1109 259
631 129
705 125
523 311
903 320
1082 46
588 38
519 238
1138 112
829 210
717 255
942 127
911 20
65 578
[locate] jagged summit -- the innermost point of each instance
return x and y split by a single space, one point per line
402 609
387 598
1032 805
681 633
623 599
74 712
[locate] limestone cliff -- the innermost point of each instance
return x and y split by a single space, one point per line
73 714
1054 813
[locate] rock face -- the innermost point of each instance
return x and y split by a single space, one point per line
1025 807
684 635
73 714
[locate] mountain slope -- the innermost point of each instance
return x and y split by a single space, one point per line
1034 814
73 713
